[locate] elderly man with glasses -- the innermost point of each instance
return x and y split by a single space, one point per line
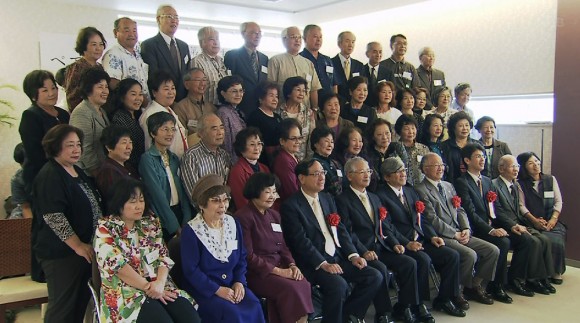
210 61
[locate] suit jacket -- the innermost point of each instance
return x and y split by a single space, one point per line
155 52
507 209
382 75
500 148
304 236
474 204
446 219
364 232
405 220
340 77
238 62
423 79
239 175
365 111
283 167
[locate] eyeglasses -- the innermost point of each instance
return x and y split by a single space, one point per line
236 92
296 139
437 165
168 129
255 33
218 200
401 171
318 173
176 17
514 166
361 172
196 79
294 37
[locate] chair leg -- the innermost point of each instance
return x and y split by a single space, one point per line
434 277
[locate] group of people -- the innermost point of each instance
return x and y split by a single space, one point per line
235 159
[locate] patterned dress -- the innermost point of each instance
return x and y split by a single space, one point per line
117 246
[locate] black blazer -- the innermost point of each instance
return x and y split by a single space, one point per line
156 54
382 75
423 79
340 77
358 223
304 236
365 111
475 205
405 221
500 148
507 209
238 62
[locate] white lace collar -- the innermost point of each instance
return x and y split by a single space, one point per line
219 242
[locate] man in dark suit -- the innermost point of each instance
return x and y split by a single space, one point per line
322 63
420 239
538 261
443 210
250 64
374 73
404 72
166 52
379 243
476 191
429 78
345 66
324 251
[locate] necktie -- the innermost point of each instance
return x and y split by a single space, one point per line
255 64
441 192
217 67
373 77
347 69
514 194
329 247
365 203
174 54
480 186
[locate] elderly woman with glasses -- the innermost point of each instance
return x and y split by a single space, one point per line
541 204
230 91
408 149
322 143
494 149
272 271
213 258
283 166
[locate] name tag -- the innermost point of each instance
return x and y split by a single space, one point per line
308 77
151 257
419 158
362 119
265 69
408 75
356 74
276 227
232 244
549 194
229 72
192 123
339 173
437 82
330 69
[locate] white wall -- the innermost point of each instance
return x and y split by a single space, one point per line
500 47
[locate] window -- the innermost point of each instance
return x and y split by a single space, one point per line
515 109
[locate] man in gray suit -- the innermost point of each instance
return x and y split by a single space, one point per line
429 78
443 209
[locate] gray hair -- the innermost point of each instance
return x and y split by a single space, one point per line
309 28
201 123
424 50
244 26
163 6
426 158
503 160
118 21
342 34
203 32
349 166
370 45
187 76
285 31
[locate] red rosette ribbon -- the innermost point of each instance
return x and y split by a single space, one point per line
333 219
382 216
491 196
420 206
456 200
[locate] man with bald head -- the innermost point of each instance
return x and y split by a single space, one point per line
291 63
322 63
429 77
250 64
166 52
210 61
346 66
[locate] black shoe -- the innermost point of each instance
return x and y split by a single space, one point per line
461 302
422 314
517 287
548 286
354 319
448 307
404 313
384 318
537 287
478 294
498 293
556 281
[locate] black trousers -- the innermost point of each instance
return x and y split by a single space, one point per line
405 269
68 293
446 262
180 311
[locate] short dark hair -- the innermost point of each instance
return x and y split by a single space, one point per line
404 120
112 134
395 37
482 120
354 82
342 142
257 183
460 87
303 166
373 126
157 79
454 119
225 83
156 120
264 87
122 89
400 94
522 160
425 135
52 141
325 97
242 138
470 148
19 153
90 78
59 76
288 124
319 133
83 39
33 81
291 83
379 88
437 93
121 192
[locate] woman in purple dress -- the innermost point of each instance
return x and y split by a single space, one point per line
230 91
272 272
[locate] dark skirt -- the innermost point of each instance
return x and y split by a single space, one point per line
558 238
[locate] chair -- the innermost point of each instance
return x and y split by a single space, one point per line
16 288
94 284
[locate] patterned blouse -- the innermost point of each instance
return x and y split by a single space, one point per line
411 157
304 118
142 248
124 118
